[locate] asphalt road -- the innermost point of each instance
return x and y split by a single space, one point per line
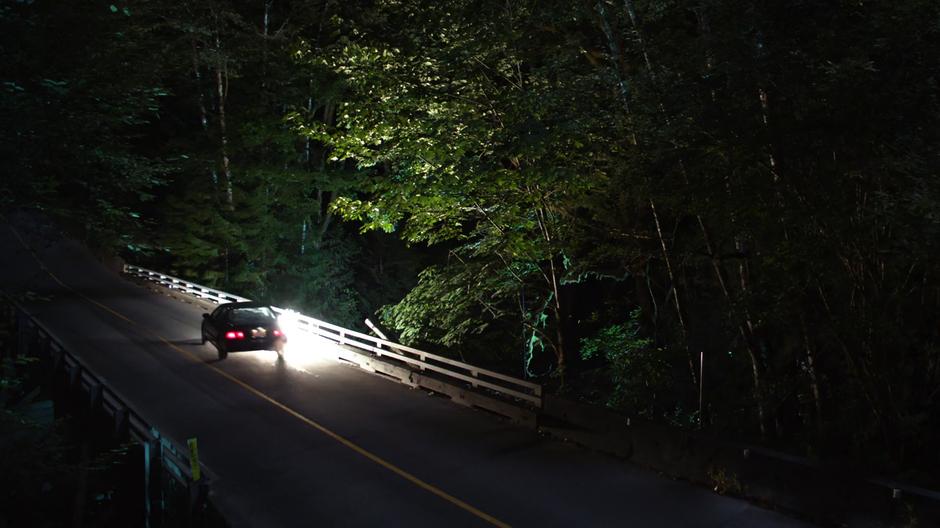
312 442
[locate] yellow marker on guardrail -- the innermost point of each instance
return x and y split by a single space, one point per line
193 458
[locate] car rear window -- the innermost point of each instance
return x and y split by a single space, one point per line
260 314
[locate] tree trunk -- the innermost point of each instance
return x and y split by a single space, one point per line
558 315
203 115
560 352
324 226
747 328
675 292
264 45
324 215
811 373
617 56
203 118
616 53
307 141
221 81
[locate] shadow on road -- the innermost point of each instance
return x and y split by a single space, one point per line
188 342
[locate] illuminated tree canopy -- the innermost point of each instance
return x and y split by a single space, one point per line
594 194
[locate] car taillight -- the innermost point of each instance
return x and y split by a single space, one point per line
278 333
234 335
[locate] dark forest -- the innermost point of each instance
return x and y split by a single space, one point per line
720 215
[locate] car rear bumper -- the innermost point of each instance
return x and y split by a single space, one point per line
243 345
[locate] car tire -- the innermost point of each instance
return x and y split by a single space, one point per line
222 353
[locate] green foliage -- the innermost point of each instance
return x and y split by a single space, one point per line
637 372
725 482
454 151
70 123
419 317
715 162
761 181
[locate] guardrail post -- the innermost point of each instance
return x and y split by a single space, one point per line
58 359
23 326
32 344
148 462
161 472
198 491
75 377
45 344
121 423
896 503
95 397
10 313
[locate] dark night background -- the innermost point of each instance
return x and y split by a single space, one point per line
592 194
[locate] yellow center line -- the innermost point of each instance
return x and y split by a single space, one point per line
336 436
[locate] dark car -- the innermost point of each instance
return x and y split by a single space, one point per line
242 326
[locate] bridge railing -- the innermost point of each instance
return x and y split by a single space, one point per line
191 288
33 338
508 386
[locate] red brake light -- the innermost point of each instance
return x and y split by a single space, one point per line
234 335
278 333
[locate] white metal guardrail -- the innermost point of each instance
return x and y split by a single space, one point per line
196 290
508 386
